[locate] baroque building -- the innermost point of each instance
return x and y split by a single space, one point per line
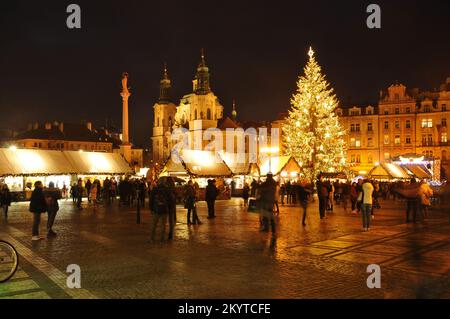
403 123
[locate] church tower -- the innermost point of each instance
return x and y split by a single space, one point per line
163 121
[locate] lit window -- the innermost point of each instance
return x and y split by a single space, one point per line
358 143
386 139
397 140
387 156
430 123
444 137
352 142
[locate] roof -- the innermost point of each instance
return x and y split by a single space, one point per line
419 171
389 171
279 164
48 162
197 164
225 123
240 164
69 132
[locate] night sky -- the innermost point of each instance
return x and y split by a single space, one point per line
255 51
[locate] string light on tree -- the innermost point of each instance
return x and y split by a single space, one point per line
312 132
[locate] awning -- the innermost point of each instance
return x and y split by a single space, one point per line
240 164
196 164
389 171
18 162
419 171
278 164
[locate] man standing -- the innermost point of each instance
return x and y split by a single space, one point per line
366 203
267 195
88 189
5 199
211 193
303 191
38 206
172 206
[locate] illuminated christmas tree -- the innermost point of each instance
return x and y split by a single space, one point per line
312 132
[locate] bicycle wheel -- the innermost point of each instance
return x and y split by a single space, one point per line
9 261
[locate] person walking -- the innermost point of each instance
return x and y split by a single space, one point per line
73 192
93 195
303 192
425 194
190 203
38 206
211 193
64 191
5 200
172 206
245 194
322 193
52 195
79 192
160 199
412 200
366 204
88 187
267 202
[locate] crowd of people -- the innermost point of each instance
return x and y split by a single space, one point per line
361 197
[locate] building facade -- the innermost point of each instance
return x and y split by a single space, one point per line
403 123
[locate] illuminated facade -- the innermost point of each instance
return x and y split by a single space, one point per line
403 123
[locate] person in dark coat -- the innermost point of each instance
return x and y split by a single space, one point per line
170 184
52 195
5 199
322 193
245 194
38 206
80 191
88 186
160 200
190 196
211 193
267 201
303 192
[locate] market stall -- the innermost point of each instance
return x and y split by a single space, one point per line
244 171
21 168
389 172
199 166
285 168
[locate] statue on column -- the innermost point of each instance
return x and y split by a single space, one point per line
125 88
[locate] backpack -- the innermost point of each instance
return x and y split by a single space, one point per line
160 202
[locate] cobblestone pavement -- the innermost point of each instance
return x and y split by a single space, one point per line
228 257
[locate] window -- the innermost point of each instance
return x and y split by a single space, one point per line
358 158
369 142
408 124
386 125
386 112
444 137
408 139
427 123
357 127
430 139
444 107
444 122
397 110
358 143
354 113
352 127
369 112
370 159
427 108
424 139
208 114
397 140
352 158
397 124
408 110
352 142
387 156
369 127
386 139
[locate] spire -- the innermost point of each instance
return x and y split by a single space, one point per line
165 87
201 80
234 112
